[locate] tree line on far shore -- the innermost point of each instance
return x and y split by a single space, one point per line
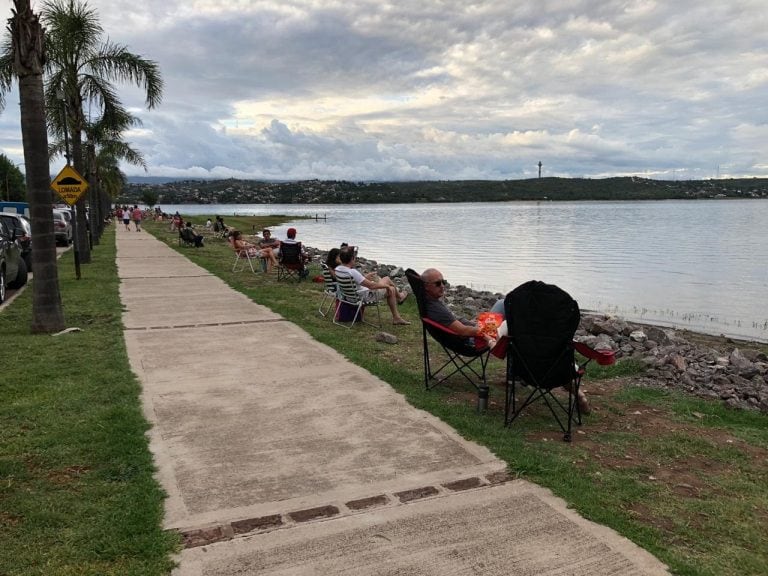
342 192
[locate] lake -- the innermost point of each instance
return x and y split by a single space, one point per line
693 264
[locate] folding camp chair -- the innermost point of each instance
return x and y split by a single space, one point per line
184 238
463 357
330 291
291 262
188 237
541 322
348 296
241 257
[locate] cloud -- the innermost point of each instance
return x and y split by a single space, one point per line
368 89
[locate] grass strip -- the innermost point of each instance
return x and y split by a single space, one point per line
77 490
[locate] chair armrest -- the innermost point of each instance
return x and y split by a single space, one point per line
602 357
429 323
439 326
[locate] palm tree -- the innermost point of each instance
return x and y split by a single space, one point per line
80 70
110 177
104 149
27 59
103 145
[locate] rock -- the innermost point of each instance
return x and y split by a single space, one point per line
638 336
386 337
678 362
738 360
657 335
650 344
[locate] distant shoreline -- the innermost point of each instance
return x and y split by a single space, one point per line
223 192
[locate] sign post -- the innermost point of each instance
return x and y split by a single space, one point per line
70 187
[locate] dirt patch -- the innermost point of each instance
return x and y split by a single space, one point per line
67 475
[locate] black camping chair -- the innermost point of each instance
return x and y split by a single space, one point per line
185 237
291 262
541 322
463 357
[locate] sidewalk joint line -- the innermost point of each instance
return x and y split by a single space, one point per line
165 277
208 324
195 537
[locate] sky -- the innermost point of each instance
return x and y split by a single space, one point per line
443 89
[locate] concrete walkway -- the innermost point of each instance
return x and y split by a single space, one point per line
279 456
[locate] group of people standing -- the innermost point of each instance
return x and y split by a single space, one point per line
127 213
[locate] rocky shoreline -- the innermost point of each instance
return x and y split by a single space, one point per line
715 367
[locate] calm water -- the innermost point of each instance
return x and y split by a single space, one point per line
693 264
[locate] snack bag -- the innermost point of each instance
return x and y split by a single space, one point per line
488 323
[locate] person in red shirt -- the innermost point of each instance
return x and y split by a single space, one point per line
136 216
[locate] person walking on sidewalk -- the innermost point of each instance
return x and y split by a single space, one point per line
136 215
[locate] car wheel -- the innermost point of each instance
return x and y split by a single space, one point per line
21 276
2 285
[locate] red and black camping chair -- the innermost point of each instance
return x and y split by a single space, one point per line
463 357
541 322
291 263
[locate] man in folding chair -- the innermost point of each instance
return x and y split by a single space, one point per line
384 288
434 289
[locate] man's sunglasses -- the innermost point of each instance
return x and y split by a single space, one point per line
438 283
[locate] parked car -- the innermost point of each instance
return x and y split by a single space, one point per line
13 269
62 227
21 227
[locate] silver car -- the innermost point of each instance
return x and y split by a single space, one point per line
13 269
62 227
21 229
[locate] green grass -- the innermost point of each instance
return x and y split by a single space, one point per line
77 490
681 477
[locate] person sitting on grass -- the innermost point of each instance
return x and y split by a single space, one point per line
382 288
252 250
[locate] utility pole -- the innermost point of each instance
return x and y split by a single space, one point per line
539 168
76 253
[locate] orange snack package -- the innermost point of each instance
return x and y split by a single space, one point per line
489 323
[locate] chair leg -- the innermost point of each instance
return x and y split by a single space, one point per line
354 318
331 300
240 260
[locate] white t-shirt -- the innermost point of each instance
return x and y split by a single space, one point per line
356 276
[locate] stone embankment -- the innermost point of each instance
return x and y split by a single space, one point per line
705 366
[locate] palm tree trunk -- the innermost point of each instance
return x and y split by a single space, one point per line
29 56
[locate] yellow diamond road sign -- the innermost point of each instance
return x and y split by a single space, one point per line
69 185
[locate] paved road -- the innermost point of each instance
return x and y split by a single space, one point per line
281 457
